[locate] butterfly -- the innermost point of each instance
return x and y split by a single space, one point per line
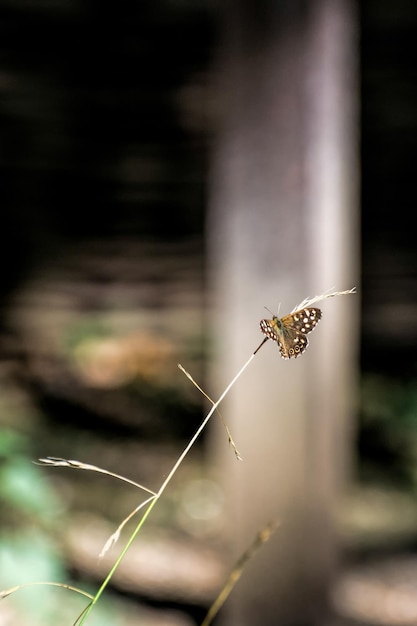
290 332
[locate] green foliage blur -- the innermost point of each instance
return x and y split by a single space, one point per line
387 441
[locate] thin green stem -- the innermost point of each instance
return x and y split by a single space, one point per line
162 489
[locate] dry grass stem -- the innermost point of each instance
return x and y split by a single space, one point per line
115 536
7 592
264 340
309 301
262 537
53 461
231 440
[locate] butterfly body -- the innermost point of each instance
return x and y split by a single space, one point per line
290 332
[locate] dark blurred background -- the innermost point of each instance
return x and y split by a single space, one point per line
108 116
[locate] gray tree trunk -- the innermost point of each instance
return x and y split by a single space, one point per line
283 225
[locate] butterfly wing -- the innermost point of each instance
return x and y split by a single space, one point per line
304 320
290 331
270 328
292 343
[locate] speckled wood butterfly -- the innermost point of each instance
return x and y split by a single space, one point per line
290 332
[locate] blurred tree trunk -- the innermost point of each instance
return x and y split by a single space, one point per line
283 225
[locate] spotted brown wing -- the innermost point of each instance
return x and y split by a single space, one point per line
290 331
